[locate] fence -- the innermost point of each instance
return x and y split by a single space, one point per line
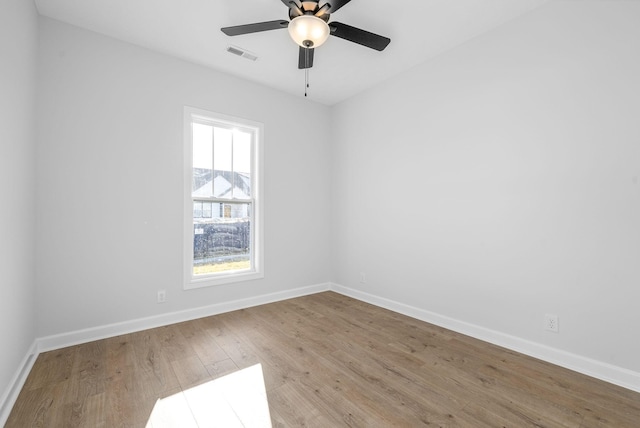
221 239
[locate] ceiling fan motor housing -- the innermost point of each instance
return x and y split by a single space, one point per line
309 8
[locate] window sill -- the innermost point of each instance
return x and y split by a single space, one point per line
212 281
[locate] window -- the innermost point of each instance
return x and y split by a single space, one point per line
223 213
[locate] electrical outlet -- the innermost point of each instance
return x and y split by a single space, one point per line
363 278
551 323
162 296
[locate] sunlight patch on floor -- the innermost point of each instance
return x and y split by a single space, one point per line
236 400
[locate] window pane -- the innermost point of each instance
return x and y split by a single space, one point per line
222 243
206 209
202 160
197 209
222 155
242 164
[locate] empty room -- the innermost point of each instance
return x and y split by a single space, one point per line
360 213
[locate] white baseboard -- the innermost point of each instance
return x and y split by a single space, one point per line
590 367
10 395
102 332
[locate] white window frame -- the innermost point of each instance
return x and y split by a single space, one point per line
192 281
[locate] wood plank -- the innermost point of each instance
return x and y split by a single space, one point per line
190 372
296 410
205 346
233 346
89 412
171 411
51 368
152 364
41 407
221 368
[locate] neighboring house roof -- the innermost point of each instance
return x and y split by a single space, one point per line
222 184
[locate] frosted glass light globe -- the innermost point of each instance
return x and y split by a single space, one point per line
308 31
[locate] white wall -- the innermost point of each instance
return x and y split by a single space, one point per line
519 156
110 181
18 54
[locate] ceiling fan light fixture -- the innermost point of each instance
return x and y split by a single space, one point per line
308 31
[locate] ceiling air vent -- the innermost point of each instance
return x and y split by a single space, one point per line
242 53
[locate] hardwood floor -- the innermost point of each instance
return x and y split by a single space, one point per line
327 361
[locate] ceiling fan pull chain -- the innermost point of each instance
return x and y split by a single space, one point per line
306 81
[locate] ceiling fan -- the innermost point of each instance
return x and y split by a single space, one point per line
310 27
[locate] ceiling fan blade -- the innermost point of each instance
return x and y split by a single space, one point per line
305 58
296 2
335 4
254 28
361 37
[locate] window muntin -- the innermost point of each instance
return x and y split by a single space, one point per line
223 233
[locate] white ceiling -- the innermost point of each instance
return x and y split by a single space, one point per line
190 29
